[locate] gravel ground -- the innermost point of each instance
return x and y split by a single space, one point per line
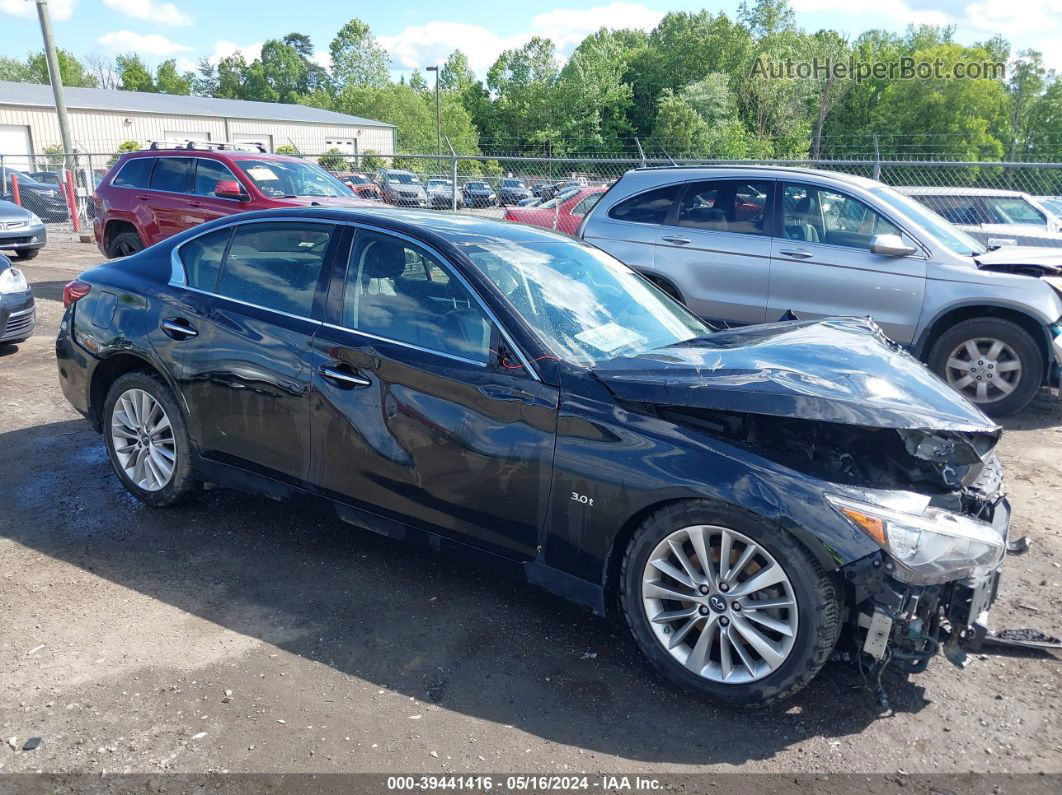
247 635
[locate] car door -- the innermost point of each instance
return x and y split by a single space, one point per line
718 248
822 265
238 334
411 417
167 197
203 204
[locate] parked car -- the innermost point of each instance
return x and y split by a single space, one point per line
514 396
152 194
993 217
47 201
563 213
747 244
56 179
401 188
21 231
360 185
1053 204
532 201
441 194
477 193
18 314
512 191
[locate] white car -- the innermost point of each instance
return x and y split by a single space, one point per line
993 217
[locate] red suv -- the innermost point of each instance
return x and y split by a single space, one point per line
149 195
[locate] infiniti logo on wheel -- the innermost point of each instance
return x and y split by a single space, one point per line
718 603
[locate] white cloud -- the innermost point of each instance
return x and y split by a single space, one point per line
151 44
223 49
899 12
1006 16
432 42
163 13
187 65
569 26
60 9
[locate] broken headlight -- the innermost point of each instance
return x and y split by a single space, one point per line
934 546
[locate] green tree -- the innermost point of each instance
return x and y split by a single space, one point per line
169 81
371 161
678 130
288 149
71 70
827 90
418 83
15 71
357 58
456 75
133 73
714 101
522 82
593 97
123 147
1025 94
334 160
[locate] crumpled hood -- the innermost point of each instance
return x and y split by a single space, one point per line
1046 258
838 370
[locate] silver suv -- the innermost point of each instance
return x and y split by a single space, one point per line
749 244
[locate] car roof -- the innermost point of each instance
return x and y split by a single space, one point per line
740 169
215 154
455 228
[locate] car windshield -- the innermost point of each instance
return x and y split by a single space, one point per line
284 179
584 305
1013 210
357 179
439 183
560 198
403 179
477 185
512 183
954 239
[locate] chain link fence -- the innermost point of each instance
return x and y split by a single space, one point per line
59 187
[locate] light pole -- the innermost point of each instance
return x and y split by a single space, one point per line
438 127
56 79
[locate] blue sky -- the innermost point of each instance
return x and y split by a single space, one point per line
418 32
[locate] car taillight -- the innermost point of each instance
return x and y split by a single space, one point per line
75 291
509 216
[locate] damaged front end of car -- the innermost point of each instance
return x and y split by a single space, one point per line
899 456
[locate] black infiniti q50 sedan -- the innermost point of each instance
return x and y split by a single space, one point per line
743 499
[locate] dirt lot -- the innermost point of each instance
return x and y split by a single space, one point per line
246 635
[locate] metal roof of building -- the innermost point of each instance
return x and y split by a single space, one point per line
37 95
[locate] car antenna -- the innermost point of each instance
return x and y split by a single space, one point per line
669 157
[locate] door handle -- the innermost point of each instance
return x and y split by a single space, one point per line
678 241
195 204
143 197
178 328
796 253
344 378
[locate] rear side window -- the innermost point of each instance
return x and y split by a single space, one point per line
172 174
208 173
276 265
136 173
651 207
202 259
725 206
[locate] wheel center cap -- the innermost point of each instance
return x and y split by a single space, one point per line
717 603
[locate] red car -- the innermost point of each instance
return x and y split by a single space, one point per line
152 194
563 213
361 185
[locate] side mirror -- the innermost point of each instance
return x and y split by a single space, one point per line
230 189
890 246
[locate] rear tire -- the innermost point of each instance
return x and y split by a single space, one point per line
26 253
124 244
122 424
1008 355
811 617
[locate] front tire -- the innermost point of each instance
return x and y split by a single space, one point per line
743 635
124 244
26 253
992 362
147 440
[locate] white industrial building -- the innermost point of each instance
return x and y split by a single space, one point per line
102 119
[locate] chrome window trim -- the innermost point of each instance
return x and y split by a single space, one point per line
253 306
178 278
402 344
178 192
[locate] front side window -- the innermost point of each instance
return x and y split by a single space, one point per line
956 209
202 258
399 292
285 179
651 207
172 174
208 173
136 173
725 206
820 215
584 305
275 265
